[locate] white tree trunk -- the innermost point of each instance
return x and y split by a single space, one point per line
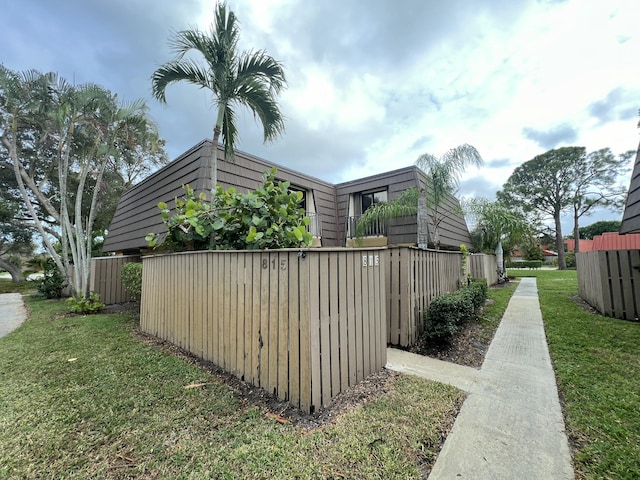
423 220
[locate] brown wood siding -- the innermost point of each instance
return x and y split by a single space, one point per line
414 278
303 328
137 213
631 216
609 280
402 230
453 229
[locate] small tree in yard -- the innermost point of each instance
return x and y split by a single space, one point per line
62 143
443 178
267 218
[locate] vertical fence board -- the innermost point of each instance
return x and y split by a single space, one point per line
359 340
294 329
303 328
263 355
343 321
325 338
608 281
334 318
314 330
304 276
283 328
272 381
350 297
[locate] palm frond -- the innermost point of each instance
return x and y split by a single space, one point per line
405 205
229 133
259 65
176 71
260 100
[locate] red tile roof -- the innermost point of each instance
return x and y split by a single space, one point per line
608 241
585 245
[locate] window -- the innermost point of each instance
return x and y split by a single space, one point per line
373 198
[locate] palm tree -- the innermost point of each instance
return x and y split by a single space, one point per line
497 224
443 179
249 78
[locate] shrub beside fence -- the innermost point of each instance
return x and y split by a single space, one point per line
106 280
610 281
415 277
303 327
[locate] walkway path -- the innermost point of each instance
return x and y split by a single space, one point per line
511 424
12 312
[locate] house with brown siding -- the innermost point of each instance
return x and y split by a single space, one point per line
631 216
333 209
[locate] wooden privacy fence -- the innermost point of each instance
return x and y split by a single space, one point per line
610 281
483 266
415 277
106 281
304 325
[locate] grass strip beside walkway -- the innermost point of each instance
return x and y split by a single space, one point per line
597 362
83 397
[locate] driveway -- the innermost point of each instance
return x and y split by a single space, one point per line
12 312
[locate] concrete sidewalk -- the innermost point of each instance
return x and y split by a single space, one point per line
12 312
511 424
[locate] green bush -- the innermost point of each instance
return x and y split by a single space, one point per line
570 259
525 264
477 292
85 305
267 218
52 282
131 275
448 312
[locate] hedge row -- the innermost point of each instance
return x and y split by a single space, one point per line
448 312
525 264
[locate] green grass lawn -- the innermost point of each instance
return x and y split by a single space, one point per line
7 286
597 362
84 397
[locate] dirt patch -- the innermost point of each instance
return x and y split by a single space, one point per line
578 300
467 348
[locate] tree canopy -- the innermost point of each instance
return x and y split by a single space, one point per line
545 184
598 228
64 151
566 179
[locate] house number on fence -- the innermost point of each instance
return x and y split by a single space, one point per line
274 264
371 260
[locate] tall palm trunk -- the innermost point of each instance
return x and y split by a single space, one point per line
213 160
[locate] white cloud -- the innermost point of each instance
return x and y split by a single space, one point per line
372 83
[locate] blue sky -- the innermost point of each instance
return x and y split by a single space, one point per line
372 83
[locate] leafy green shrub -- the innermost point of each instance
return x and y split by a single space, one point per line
85 305
269 217
447 313
477 292
131 275
570 259
525 264
52 282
